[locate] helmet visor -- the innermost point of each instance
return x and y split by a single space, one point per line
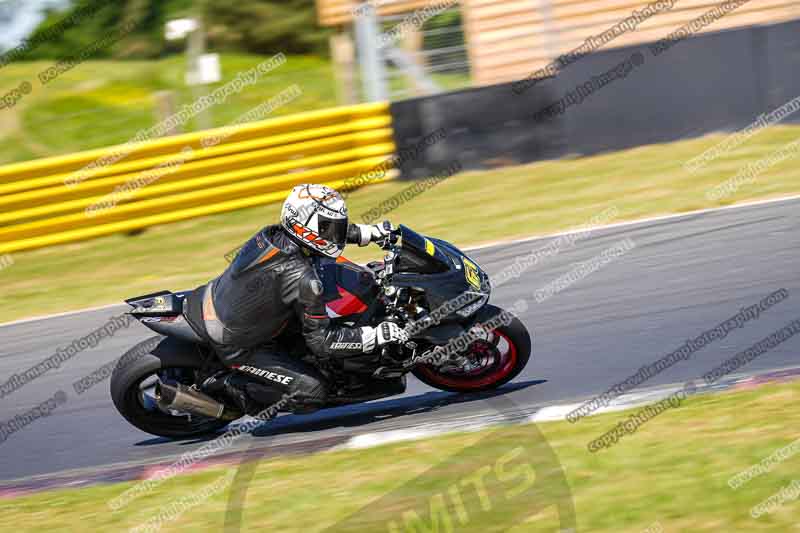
333 229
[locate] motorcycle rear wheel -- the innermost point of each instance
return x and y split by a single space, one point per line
132 391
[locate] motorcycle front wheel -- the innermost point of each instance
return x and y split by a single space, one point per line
498 360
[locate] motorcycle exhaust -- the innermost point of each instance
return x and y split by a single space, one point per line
183 398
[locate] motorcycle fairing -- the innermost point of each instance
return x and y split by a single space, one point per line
162 303
347 288
162 312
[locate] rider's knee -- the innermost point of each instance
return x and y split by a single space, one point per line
308 393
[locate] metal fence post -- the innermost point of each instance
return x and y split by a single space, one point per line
373 73
552 41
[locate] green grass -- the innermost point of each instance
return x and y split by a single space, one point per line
100 103
398 83
469 208
673 470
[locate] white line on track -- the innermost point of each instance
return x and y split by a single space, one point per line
59 315
555 413
636 222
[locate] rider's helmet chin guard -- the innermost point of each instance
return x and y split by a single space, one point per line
315 216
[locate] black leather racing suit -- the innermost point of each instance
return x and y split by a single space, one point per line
271 281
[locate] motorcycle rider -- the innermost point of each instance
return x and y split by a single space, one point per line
273 280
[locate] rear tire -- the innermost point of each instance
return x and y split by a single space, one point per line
140 363
519 341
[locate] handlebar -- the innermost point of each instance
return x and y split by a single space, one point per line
388 243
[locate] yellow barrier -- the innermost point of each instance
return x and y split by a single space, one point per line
69 198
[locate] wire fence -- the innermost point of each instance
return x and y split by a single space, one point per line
437 50
483 42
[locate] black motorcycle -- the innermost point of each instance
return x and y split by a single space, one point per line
458 342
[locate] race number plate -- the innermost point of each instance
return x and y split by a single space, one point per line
471 273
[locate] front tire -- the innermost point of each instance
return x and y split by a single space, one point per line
512 351
165 359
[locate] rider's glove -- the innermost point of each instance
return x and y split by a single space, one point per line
391 332
385 333
373 232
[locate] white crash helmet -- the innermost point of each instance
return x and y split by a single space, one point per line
316 217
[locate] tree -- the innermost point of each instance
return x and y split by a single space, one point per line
255 26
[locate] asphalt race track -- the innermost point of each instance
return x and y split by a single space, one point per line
684 276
